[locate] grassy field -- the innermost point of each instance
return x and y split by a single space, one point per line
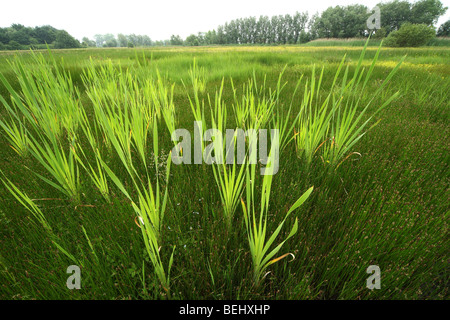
91 153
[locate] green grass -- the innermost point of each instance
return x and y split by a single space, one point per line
336 42
387 207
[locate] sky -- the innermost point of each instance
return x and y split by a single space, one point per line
157 19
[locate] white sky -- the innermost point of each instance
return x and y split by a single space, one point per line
157 19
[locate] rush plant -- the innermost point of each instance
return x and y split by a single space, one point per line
256 218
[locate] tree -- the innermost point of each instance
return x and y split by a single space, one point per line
444 29
299 24
17 26
355 21
221 37
210 37
86 42
146 41
122 40
45 34
14 45
99 40
330 23
411 35
4 37
341 22
394 14
111 43
427 12
64 40
313 26
20 35
192 40
175 40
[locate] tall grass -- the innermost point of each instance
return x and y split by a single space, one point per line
108 137
256 223
49 108
332 127
125 115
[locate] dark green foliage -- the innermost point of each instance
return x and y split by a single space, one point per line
110 43
19 37
65 41
427 11
45 34
192 40
379 34
14 45
335 22
342 22
175 40
411 35
86 42
444 29
395 13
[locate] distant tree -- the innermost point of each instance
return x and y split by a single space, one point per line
122 40
411 35
45 34
64 40
17 27
444 29
313 26
99 40
17 36
394 14
299 26
262 29
146 41
201 38
427 12
175 40
86 42
14 45
380 33
355 21
210 37
192 40
4 37
221 37
304 37
342 22
20 35
133 39
111 43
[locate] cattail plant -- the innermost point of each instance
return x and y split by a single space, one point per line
346 128
47 103
49 99
256 223
332 126
255 108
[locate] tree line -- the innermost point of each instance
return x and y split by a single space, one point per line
335 22
17 37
